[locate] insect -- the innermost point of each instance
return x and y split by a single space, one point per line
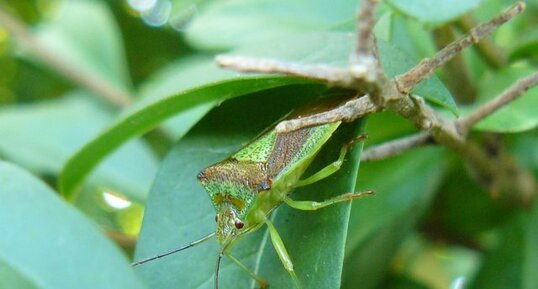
247 186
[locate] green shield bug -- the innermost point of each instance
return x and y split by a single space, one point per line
248 185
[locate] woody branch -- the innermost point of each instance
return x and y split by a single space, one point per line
382 93
396 147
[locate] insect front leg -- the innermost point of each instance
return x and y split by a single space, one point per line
333 167
282 252
313 205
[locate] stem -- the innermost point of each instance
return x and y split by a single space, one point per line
94 83
396 147
334 76
507 96
491 53
364 64
366 23
456 72
425 68
349 111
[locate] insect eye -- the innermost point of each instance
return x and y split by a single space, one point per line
238 224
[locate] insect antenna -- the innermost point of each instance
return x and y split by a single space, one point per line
191 244
219 258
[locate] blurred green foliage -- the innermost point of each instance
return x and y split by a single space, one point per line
77 172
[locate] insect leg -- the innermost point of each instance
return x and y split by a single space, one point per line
263 284
331 168
313 205
282 253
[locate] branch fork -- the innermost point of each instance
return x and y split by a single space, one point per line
379 93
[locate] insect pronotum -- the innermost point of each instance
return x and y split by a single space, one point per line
247 186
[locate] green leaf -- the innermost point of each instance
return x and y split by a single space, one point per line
519 115
11 278
179 211
230 24
47 244
85 33
412 37
171 79
42 136
434 12
147 114
405 186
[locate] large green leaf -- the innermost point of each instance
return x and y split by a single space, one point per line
519 115
85 34
412 37
236 23
179 211
42 136
405 186
47 244
434 12
170 79
203 84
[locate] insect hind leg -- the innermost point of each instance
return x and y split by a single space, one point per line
334 166
313 205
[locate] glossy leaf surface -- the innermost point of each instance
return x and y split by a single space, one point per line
47 244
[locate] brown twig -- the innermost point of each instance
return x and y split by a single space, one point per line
332 75
456 73
509 95
364 64
491 53
366 21
396 147
349 111
425 68
92 82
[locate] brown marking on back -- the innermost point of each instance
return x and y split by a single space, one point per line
287 145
